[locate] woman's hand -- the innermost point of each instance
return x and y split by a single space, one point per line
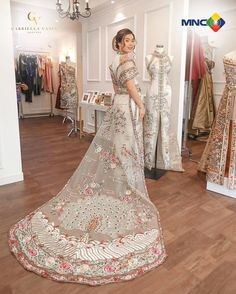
141 111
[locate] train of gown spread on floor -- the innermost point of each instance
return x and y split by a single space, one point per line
219 157
102 226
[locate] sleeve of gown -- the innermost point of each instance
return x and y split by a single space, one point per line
127 71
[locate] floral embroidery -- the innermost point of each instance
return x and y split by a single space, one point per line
101 227
66 266
157 119
33 252
109 160
214 158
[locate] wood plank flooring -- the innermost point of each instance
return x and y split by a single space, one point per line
199 226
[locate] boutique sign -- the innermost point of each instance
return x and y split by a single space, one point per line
33 25
215 22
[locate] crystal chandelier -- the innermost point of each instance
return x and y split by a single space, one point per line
73 11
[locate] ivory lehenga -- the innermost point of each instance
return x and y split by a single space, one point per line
102 226
219 158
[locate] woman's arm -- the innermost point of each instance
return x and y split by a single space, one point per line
133 93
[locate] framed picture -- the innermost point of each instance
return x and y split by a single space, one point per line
94 97
91 94
107 99
85 97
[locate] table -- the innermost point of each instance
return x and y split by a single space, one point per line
91 106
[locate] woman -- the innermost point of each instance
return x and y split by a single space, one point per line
102 227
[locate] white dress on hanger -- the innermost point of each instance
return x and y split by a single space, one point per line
157 122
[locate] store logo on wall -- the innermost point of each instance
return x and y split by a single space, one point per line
33 17
215 22
34 26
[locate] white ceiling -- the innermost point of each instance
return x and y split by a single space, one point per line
52 3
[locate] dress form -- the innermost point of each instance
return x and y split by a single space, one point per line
69 62
218 158
159 50
161 147
75 129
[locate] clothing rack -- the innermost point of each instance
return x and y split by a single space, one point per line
22 115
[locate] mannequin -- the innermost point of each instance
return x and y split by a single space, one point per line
159 49
219 157
160 144
69 91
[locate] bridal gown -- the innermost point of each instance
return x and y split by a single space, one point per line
158 132
219 157
102 226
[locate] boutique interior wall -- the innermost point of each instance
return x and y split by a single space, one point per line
10 153
58 37
64 40
153 22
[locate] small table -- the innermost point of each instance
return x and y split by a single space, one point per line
95 108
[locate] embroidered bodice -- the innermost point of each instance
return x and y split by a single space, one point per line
230 72
123 69
158 69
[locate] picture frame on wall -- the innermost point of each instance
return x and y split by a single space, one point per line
85 97
91 94
107 99
95 96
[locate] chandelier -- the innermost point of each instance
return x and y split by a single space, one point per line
73 11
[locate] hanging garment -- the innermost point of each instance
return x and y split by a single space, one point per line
101 227
219 157
48 81
198 65
38 78
157 125
69 91
27 67
203 111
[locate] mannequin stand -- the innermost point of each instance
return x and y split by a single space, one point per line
75 129
154 173
67 117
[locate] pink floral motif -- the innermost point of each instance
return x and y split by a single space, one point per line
156 251
109 269
66 266
88 191
32 252
22 225
128 198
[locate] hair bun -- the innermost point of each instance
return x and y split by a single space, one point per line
114 44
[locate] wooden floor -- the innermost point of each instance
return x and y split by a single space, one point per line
199 226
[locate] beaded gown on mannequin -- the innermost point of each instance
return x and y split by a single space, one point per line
219 157
157 120
102 226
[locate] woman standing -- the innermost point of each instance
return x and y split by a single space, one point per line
102 226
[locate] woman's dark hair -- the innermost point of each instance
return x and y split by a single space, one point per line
119 37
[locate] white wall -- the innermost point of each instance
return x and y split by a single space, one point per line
153 22
10 157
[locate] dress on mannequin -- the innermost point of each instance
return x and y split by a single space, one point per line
69 91
101 227
219 157
203 111
157 125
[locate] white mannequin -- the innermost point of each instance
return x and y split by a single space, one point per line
159 49
231 55
69 62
